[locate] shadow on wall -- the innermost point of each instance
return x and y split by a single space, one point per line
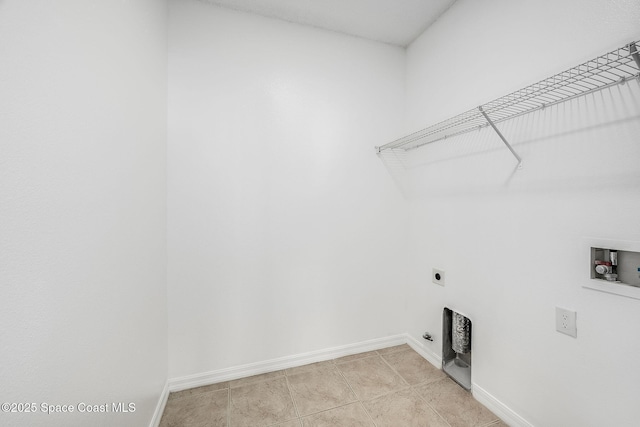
583 144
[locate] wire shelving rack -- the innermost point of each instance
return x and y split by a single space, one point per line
612 68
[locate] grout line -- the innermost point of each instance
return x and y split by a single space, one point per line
367 412
377 396
348 384
435 380
295 406
430 406
330 409
406 384
229 406
358 399
394 370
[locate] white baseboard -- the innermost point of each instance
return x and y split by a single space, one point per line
424 351
227 374
499 408
480 394
162 402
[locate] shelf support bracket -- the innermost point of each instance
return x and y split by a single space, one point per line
634 54
502 137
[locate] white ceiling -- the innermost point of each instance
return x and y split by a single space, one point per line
396 22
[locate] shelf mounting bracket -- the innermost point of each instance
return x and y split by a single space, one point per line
502 137
634 54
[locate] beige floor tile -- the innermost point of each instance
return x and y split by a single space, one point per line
261 403
256 378
198 410
371 377
394 348
413 367
319 389
355 357
352 415
403 408
455 405
294 423
198 390
397 388
309 367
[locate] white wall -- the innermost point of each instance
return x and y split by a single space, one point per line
285 234
82 208
511 243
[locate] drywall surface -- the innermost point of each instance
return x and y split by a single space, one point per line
511 242
82 210
285 234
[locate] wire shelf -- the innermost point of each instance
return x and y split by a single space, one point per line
610 69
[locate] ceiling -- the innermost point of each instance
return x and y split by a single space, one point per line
397 22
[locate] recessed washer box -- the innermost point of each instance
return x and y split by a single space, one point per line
614 266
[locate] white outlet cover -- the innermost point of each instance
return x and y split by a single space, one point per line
566 322
437 277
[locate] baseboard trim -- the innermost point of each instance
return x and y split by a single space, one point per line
424 351
480 394
497 407
162 402
236 372
227 374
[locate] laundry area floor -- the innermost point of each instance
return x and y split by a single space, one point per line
393 387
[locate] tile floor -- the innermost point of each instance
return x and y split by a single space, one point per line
392 387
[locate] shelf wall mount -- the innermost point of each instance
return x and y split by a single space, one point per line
611 69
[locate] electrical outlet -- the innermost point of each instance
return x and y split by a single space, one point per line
437 277
566 322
